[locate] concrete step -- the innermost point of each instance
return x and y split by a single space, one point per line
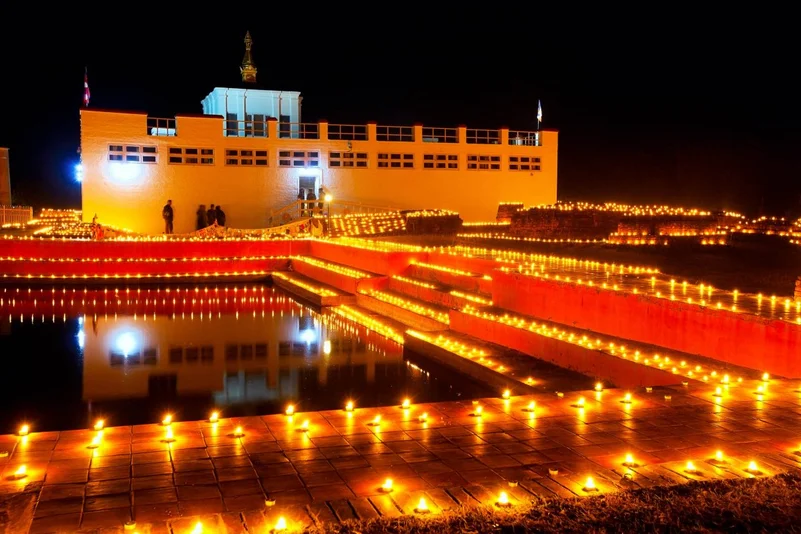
411 312
454 278
436 294
622 362
340 276
310 290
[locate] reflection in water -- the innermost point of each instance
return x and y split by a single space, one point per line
248 350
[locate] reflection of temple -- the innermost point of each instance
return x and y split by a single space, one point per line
237 357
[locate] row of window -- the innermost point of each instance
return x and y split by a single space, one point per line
311 159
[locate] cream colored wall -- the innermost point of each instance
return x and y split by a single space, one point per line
134 200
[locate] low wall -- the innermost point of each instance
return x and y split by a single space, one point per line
133 268
368 260
622 373
311 297
71 249
425 294
737 338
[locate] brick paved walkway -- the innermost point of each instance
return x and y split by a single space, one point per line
334 471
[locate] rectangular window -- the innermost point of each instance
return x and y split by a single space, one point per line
133 153
396 161
524 163
191 156
244 157
441 161
477 162
299 159
347 159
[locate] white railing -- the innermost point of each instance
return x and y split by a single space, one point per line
298 130
246 128
15 214
161 127
524 138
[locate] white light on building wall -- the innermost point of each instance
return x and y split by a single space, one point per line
124 171
126 344
79 172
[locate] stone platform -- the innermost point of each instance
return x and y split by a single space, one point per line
334 470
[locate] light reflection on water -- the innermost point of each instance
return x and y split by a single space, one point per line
73 355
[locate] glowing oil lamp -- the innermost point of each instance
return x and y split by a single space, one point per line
304 427
406 404
626 398
99 424
21 472
752 468
503 499
629 461
349 406
719 458
478 411
599 387
423 417
167 421
198 528
376 421
386 487
760 390
290 410
507 394
718 392
532 406
579 403
422 506
23 430
589 485
168 436
765 377
214 417
95 443
690 468
280 525
725 379
238 432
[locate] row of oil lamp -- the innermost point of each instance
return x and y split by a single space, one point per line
549 330
506 237
319 291
339 269
143 260
419 309
633 210
589 485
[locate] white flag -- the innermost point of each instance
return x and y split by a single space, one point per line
539 111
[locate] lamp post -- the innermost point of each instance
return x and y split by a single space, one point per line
328 199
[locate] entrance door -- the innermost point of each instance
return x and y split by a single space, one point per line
308 183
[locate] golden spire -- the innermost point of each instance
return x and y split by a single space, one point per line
248 68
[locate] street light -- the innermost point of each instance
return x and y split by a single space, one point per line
328 199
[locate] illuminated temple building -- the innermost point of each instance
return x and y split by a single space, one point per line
251 152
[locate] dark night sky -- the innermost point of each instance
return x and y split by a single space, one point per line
651 106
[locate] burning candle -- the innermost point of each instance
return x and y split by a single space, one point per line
214 417
629 460
599 387
423 418
589 485
21 472
290 410
99 424
23 430
349 406
532 406
503 499
376 421
168 436
626 398
406 404
507 394
304 427
719 457
238 432
167 421
752 467
95 443
387 486
690 468
280 525
422 506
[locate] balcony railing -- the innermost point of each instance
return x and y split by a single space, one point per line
483 137
395 133
347 132
298 130
246 128
160 127
359 132
523 138
440 135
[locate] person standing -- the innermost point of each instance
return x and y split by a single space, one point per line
301 202
311 203
167 213
220 216
202 218
211 216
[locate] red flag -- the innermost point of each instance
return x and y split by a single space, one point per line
85 88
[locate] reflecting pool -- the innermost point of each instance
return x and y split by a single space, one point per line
72 355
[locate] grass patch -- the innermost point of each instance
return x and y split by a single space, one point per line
744 505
